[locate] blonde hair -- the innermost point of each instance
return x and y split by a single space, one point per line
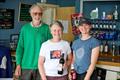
57 23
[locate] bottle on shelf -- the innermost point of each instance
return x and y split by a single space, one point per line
96 25
103 15
104 25
111 25
106 48
114 25
101 25
113 48
73 73
93 25
115 13
107 24
61 63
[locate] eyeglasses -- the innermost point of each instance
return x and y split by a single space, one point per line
37 13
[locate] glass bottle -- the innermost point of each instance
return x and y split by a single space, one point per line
61 63
73 73
103 15
106 48
114 25
113 48
115 13
101 48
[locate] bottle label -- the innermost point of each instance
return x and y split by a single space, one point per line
73 74
106 48
101 48
60 67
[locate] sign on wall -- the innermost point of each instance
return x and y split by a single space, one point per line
6 18
2 1
24 12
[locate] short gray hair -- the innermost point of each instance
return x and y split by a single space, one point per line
35 5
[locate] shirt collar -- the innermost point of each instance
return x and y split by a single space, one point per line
36 26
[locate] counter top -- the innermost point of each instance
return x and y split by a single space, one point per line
110 63
111 66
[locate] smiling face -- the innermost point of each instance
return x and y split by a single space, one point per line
56 31
36 13
84 28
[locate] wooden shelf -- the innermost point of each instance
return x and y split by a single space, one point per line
108 59
13 52
103 55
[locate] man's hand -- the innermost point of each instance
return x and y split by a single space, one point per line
18 70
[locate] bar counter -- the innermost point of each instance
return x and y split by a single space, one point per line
111 64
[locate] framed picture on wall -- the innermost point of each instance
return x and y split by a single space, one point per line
6 18
13 41
14 38
24 12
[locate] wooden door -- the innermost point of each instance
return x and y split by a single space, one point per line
64 13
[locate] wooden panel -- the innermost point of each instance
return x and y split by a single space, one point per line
64 13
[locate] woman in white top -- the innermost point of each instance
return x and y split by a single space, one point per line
51 52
